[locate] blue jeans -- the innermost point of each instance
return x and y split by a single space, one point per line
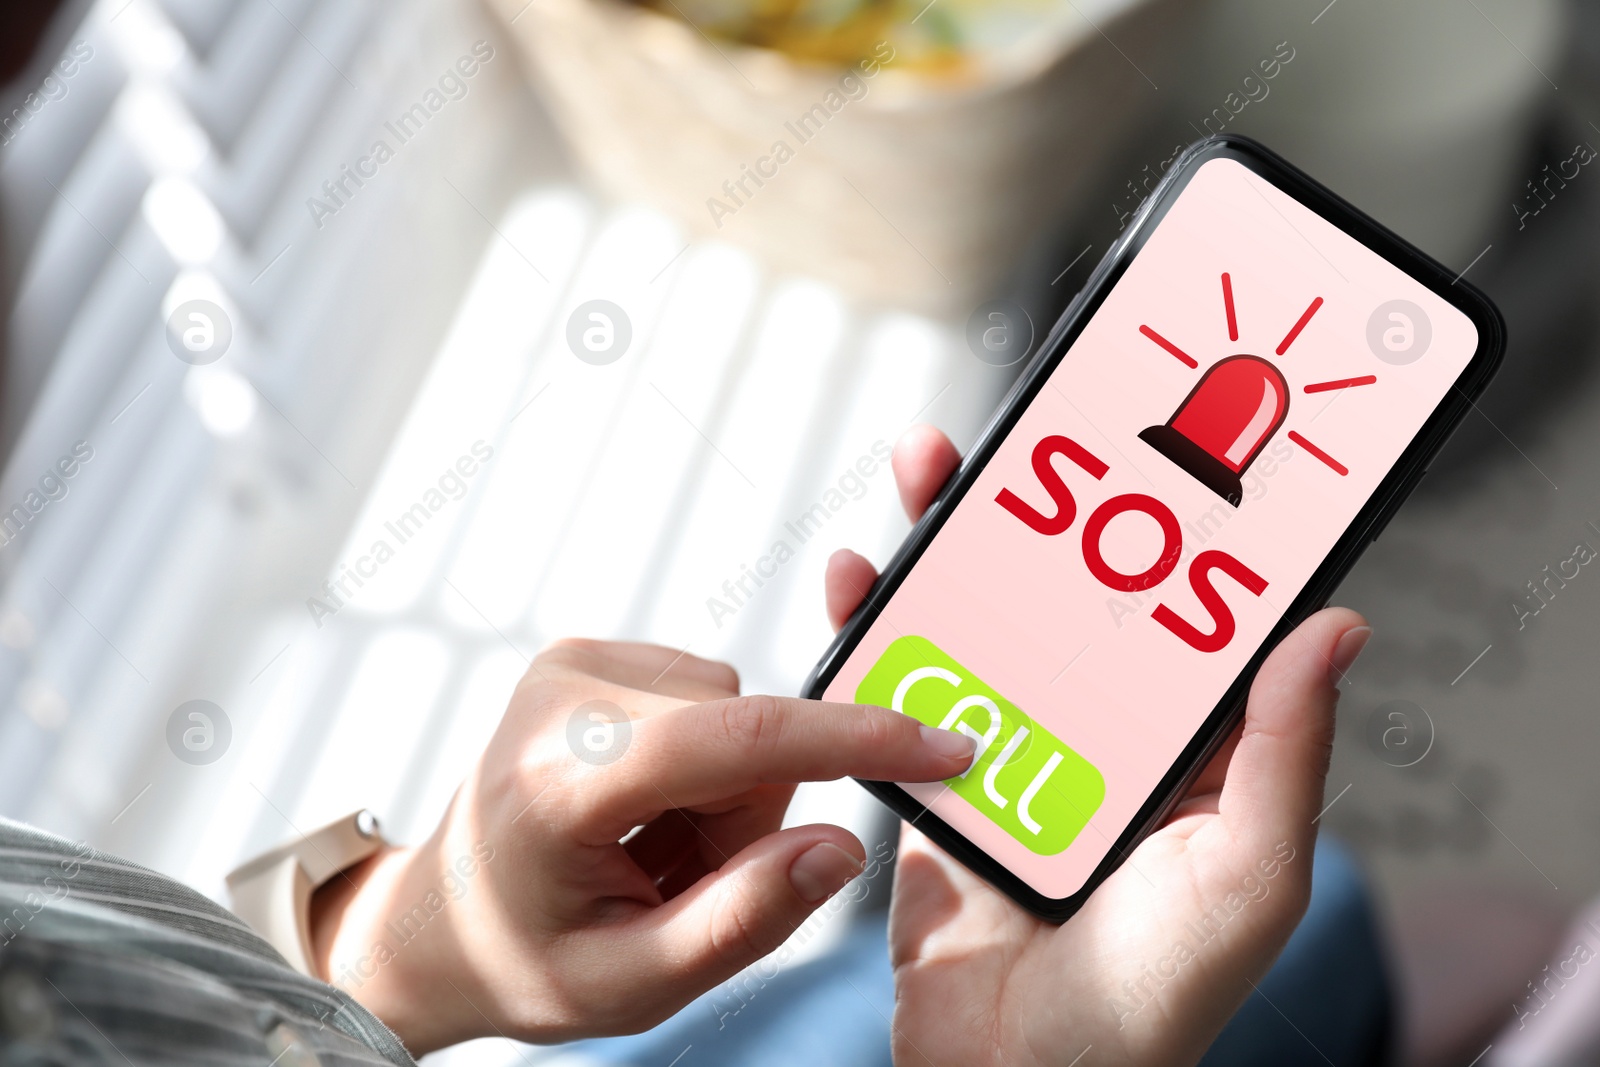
1329 993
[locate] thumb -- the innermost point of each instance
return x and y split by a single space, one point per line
1275 780
747 908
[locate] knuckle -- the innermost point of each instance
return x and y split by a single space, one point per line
754 724
1322 759
1321 740
879 731
547 775
518 789
736 930
534 773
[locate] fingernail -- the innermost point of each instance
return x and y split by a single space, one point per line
821 871
948 743
1346 651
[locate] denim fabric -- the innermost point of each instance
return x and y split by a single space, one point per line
1329 993
1328 998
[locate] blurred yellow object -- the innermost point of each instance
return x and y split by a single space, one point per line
920 182
940 36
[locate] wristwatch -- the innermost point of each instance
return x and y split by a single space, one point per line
272 893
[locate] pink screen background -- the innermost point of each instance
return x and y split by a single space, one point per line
1017 607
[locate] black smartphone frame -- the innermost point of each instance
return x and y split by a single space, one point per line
1362 531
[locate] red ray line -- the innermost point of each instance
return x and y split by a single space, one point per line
1183 356
1339 468
1227 300
1342 383
1283 346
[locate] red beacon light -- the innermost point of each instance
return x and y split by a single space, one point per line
1224 423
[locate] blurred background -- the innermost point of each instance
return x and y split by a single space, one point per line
580 340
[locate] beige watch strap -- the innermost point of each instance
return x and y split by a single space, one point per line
272 893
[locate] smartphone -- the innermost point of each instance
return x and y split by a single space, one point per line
1252 381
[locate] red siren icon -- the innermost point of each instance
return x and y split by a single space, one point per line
1224 423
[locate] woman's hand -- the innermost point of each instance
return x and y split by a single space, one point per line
527 915
1163 952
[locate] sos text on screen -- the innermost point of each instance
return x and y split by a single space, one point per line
1221 624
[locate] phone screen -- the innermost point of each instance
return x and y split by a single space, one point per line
1162 499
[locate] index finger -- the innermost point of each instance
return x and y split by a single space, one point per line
702 753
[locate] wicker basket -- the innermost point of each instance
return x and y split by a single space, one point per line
915 189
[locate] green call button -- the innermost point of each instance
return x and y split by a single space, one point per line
1024 779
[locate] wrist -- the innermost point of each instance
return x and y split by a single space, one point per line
390 934
339 912
363 940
